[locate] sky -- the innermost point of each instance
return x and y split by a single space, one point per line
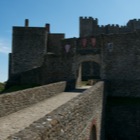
63 16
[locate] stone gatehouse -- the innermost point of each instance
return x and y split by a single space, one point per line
51 57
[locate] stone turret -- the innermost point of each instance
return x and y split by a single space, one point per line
88 26
133 24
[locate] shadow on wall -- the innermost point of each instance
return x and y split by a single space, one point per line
90 70
93 133
87 71
70 84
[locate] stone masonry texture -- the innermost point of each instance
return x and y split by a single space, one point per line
12 102
71 121
116 52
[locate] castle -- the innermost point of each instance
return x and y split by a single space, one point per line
110 53
37 50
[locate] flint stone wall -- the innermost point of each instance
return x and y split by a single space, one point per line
29 47
71 121
123 88
12 102
122 118
121 57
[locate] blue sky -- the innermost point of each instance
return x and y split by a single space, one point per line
63 15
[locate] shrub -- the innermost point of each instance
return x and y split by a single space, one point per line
2 86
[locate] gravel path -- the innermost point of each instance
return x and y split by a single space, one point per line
19 120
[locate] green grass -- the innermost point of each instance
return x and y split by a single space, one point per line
84 83
2 86
93 81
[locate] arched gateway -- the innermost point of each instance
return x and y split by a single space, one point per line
86 67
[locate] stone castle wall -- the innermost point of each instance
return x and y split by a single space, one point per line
120 70
134 24
62 66
54 43
121 56
122 118
116 54
29 47
73 120
12 102
89 26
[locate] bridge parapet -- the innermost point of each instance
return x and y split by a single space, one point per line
73 120
12 102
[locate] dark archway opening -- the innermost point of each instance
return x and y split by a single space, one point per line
93 133
90 70
88 73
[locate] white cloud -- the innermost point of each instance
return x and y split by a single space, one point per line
4 47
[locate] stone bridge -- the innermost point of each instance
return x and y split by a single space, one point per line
49 113
39 57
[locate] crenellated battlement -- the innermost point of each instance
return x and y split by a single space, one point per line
89 26
135 20
113 25
88 18
110 26
134 24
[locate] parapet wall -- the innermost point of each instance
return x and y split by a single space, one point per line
71 121
12 102
89 26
